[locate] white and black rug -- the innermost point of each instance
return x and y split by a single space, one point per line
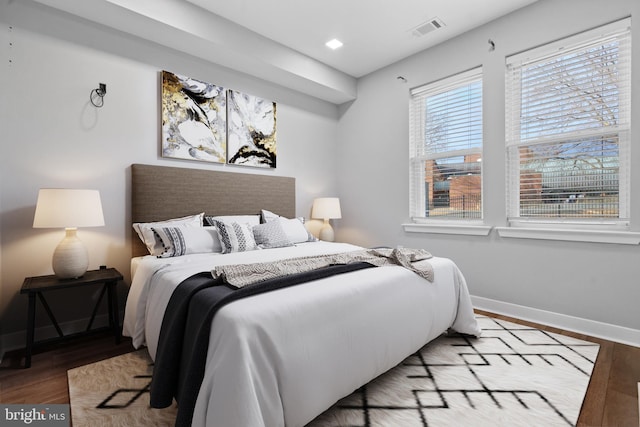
512 376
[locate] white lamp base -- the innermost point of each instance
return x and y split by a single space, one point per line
70 259
326 232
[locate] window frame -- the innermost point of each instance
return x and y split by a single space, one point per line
418 157
513 143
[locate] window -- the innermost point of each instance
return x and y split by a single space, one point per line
446 148
567 130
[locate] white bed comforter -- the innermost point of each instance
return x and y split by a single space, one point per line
283 357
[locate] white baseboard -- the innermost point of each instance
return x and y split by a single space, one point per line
593 328
18 340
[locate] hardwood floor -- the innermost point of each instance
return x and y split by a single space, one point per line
46 380
611 399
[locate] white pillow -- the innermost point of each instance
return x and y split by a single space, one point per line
295 230
154 245
178 241
235 236
243 219
268 216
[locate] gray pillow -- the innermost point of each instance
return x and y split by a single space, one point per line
271 235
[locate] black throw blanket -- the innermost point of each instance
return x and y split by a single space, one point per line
184 336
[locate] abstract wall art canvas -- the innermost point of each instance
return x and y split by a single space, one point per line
194 119
251 131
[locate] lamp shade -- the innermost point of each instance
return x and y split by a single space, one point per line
68 208
326 208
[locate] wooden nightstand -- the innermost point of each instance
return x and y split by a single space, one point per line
37 286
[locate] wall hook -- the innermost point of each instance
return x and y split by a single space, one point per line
492 45
97 95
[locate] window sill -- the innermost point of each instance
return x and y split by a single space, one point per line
466 229
591 236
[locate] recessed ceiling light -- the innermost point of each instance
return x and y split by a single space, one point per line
333 44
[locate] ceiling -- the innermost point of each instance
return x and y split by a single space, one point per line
283 41
375 33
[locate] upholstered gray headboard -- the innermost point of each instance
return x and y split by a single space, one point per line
161 192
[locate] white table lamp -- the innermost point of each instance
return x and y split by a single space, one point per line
69 209
326 208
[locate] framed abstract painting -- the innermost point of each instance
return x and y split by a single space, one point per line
194 119
251 130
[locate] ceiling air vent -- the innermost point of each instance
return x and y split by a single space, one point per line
427 27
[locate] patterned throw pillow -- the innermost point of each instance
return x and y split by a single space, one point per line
178 241
271 235
235 237
148 237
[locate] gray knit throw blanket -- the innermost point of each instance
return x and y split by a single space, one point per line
241 275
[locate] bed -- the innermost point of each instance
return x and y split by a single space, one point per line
281 357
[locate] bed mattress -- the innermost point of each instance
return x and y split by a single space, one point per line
283 357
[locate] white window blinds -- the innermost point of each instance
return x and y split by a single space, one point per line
446 148
567 128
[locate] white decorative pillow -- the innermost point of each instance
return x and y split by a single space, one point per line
268 216
145 232
235 236
270 235
178 241
292 229
243 219
295 230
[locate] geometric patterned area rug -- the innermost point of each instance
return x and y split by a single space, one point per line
115 392
514 375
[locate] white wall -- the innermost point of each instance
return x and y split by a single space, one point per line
595 282
53 137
